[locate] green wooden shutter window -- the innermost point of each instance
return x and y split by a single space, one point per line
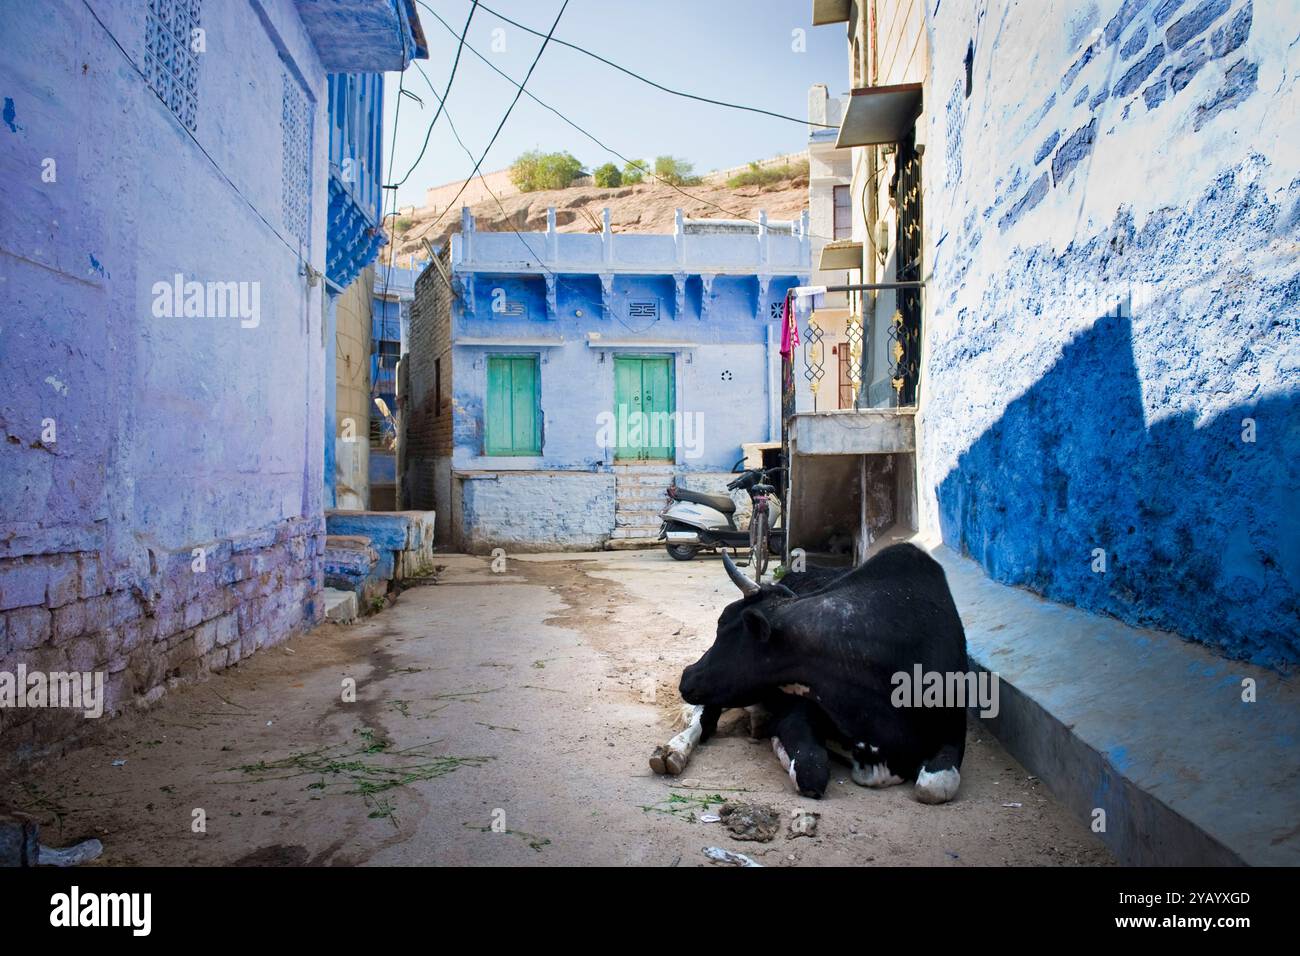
512 412
643 402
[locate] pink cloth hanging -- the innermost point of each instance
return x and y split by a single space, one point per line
789 329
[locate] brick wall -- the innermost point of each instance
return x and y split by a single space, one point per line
147 633
173 431
428 413
537 511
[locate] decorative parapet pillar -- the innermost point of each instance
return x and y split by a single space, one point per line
552 308
760 307
606 239
552 238
607 295
467 233
679 281
466 282
679 237
762 239
706 294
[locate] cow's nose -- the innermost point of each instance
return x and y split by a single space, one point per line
686 685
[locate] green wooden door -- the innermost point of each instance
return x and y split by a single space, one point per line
513 426
643 399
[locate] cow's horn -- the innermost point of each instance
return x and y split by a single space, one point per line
747 587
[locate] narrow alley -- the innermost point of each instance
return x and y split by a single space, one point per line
504 435
534 695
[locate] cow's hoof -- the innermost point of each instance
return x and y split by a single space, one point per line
811 779
876 775
938 787
657 762
675 761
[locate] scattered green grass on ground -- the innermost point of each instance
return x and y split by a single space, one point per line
532 839
367 771
684 806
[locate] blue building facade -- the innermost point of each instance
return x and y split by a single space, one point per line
354 236
161 513
393 291
559 380
1126 244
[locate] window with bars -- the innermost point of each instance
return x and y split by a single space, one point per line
843 213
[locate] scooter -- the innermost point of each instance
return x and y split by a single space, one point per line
693 520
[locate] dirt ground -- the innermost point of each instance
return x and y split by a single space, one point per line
499 718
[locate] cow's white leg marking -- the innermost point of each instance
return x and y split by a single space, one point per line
758 718
779 749
680 747
874 775
937 787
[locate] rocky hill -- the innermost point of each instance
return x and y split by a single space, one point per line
648 207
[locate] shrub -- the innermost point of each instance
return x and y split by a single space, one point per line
634 173
676 171
766 175
401 225
607 176
535 170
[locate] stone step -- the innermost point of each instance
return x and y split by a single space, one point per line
636 532
639 504
638 519
631 544
340 606
644 478
1156 733
658 494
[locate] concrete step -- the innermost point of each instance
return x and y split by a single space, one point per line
352 564
1146 726
651 485
649 520
340 606
650 505
631 544
636 532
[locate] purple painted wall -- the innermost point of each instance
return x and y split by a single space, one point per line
161 461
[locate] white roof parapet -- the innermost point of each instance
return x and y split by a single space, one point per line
714 246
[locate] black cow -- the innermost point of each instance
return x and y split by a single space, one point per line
824 661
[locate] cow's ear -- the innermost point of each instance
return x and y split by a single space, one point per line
758 623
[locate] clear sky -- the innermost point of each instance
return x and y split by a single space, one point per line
742 51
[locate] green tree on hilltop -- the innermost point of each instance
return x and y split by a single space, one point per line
536 170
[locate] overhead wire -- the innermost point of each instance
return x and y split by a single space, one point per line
650 82
460 46
501 125
505 217
635 164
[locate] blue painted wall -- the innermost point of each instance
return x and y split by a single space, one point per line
135 151
1114 310
722 377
